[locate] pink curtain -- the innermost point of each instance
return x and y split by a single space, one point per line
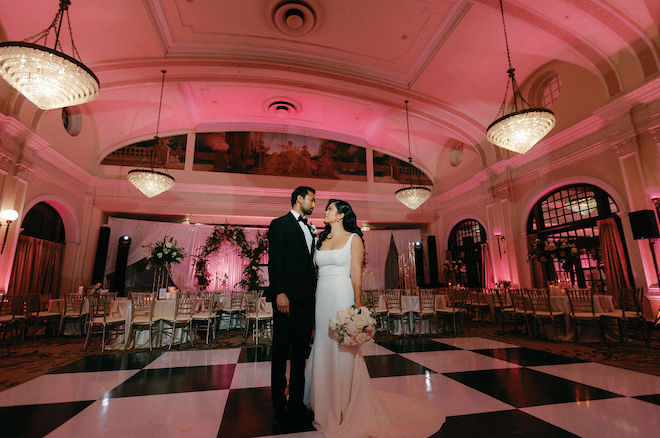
36 268
486 267
614 258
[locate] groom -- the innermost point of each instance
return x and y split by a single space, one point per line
292 287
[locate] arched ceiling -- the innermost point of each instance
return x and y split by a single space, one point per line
349 74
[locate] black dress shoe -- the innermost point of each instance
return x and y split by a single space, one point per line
300 419
280 424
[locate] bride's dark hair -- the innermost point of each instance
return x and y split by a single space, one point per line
349 221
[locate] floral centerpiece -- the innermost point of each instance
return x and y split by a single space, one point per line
453 265
562 250
164 253
353 326
93 288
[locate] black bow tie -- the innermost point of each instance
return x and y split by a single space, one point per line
302 219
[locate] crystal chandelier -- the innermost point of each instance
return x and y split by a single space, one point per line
48 77
150 181
411 196
521 129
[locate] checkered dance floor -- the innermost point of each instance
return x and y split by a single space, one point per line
484 387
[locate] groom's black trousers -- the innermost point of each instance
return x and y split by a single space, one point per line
291 338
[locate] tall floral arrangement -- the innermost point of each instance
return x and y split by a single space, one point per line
548 250
164 253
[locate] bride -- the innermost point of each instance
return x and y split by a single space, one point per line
337 383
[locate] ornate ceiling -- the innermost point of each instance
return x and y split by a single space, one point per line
346 66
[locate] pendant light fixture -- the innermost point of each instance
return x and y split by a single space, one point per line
150 181
521 129
411 196
48 77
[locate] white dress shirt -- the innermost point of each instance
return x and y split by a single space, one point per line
308 234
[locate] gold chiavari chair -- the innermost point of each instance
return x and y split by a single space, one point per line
630 314
185 307
583 310
539 300
142 315
101 320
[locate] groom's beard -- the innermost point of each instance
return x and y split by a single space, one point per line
308 211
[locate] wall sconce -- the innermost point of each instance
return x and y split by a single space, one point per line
501 243
7 216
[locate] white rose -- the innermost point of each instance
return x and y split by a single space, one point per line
160 255
166 251
168 244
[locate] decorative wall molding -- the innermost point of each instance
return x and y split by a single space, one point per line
625 148
655 133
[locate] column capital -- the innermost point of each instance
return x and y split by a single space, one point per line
500 191
625 147
655 133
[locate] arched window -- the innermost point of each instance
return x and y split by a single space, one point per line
39 252
546 89
572 212
43 222
464 259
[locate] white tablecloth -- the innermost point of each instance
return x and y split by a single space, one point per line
163 309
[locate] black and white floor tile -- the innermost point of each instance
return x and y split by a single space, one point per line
484 387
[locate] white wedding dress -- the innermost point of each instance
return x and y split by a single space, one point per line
337 383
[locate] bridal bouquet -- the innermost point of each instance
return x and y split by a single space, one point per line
353 326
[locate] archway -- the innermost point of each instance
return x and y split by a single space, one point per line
464 261
577 214
39 253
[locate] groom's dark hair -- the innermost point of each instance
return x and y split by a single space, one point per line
302 191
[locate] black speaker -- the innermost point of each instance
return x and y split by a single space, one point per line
119 283
643 224
419 264
433 260
101 255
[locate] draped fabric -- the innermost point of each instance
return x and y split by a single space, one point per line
37 267
615 262
392 280
377 245
486 267
535 266
189 237
227 261
402 238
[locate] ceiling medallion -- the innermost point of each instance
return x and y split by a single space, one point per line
281 106
294 18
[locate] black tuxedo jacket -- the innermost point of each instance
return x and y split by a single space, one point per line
290 265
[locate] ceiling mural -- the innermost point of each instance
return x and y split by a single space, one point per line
170 153
269 153
266 153
390 169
